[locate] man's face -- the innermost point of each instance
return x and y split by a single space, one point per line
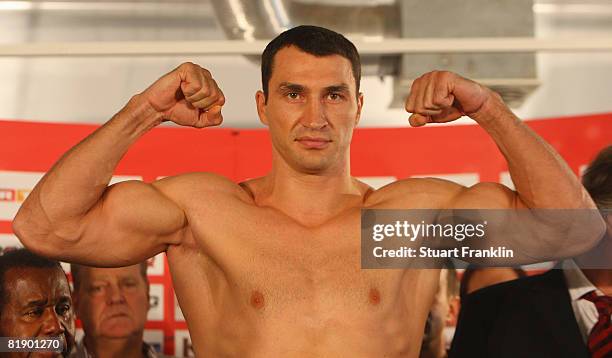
38 305
112 302
311 110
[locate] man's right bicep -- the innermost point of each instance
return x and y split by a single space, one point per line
132 221
141 208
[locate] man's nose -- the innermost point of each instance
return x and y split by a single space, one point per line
115 295
52 323
315 116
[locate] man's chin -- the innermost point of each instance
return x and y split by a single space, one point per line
117 333
117 328
313 166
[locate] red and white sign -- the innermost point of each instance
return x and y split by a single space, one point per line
462 153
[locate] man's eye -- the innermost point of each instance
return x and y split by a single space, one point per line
62 308
293 95
34 313
95 289
130 283
334 96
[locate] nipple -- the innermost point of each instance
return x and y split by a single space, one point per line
374 296
257 300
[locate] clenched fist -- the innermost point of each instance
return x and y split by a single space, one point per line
441 96
188 96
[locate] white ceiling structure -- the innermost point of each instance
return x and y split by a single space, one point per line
80 61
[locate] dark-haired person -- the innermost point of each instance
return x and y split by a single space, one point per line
271 267
35 301
561 313
112 304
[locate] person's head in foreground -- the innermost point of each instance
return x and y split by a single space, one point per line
310 99
112 304
597 180
35 301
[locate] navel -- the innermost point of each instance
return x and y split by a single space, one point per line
374 297
257 300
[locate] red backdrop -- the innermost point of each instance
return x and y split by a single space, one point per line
29 149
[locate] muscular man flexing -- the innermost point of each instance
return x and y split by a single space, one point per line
271 267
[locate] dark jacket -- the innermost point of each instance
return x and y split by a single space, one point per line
528 317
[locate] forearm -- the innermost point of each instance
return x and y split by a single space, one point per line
541 177
543 181
78 180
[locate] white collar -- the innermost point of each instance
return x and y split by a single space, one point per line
577 283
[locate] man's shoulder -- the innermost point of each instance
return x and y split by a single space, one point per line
195 179
192 184
415 193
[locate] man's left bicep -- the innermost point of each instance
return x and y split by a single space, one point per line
501 231
486 195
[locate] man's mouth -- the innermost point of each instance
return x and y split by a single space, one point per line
117 315
313 142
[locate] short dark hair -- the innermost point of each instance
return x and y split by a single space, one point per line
76 270
21 258
597 179
315 40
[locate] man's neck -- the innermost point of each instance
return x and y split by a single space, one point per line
102 347
308 197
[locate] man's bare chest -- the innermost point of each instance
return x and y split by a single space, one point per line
264 236
276 261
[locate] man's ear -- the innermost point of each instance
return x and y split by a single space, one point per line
359 107
260 100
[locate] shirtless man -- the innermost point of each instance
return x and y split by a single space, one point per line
262 269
